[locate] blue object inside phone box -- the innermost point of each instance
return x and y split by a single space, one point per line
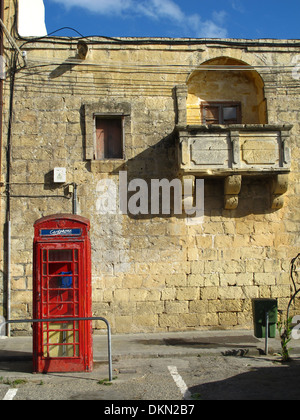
66 282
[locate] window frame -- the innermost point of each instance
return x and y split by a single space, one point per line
106 109
109 116
221 105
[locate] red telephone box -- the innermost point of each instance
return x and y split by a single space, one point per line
62 289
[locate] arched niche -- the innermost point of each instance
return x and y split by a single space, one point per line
217 81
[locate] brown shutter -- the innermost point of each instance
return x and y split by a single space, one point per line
211 114
100 135
109 144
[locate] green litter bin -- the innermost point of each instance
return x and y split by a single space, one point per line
260 308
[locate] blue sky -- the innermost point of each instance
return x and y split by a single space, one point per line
176 18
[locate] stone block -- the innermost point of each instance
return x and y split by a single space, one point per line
188 293
176 307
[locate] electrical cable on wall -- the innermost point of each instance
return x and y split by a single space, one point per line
157 41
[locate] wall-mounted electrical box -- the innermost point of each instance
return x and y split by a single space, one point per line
59 175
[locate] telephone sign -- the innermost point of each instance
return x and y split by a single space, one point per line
60 232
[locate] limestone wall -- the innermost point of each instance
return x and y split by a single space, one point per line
150 272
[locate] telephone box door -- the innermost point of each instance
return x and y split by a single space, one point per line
62 290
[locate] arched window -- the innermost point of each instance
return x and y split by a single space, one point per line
226 91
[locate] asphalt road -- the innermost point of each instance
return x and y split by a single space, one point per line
184 380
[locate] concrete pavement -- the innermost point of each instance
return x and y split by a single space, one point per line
153 345
141 364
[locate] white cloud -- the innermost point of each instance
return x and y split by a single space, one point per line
210 29
99 6
237 6
162 9
206 28
191 25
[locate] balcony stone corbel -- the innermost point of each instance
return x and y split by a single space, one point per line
280 185
232 188
181 95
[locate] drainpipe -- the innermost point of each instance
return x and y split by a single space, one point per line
17 52
8 192
8 311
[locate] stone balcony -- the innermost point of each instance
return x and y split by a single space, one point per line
234 151
239 149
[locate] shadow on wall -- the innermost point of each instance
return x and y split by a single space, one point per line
159 162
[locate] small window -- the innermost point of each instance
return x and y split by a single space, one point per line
109 138
221 113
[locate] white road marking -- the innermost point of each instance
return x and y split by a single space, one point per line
10 395
180 382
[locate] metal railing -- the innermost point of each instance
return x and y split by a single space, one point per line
31 321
